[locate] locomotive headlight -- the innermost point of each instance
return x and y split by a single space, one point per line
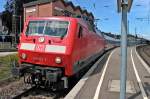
23 56
58 60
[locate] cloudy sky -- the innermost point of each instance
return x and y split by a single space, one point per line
110 20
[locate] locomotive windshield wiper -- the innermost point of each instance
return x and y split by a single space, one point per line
62 37
26 34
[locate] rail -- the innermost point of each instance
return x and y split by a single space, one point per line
144 52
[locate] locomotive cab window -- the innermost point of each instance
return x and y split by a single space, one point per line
35 28
50 28
80 33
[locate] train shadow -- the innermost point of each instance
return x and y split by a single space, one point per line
100 66
147 88
100 63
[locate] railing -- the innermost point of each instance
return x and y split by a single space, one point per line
5 45
7 42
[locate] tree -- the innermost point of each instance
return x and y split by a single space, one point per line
12 6
9 5
6 17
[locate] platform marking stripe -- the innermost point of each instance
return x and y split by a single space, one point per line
72 94
138 78
102 78
143 62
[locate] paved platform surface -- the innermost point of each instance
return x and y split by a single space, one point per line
104 82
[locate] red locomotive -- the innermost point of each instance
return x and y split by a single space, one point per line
52 49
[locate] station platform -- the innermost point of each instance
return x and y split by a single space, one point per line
102 81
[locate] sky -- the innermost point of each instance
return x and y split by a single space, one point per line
2 3
110 20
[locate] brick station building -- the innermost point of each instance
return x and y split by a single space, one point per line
42 8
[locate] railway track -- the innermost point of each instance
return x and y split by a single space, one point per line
20 90
14 90
23 92
37 93
144 52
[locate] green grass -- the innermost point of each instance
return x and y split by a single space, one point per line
6 65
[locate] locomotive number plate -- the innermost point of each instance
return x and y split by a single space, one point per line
40 48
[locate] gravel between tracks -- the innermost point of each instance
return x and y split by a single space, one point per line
13 89
144 52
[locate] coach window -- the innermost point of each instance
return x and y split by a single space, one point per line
80 32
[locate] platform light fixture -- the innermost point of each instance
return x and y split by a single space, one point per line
121 2
130 2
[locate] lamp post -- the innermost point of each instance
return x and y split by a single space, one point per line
14 21
124 6
20 23
123 51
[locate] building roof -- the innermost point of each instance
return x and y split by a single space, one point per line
69 3
66 3
78 7
37 2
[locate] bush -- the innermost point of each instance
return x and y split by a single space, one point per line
6 64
